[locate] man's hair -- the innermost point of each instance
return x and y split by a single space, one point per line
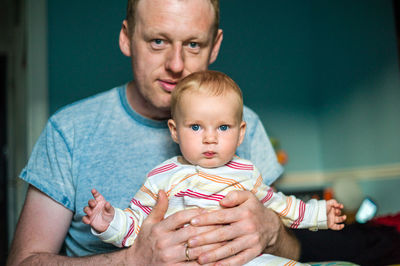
207 82
131 15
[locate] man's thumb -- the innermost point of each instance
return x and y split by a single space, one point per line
158 212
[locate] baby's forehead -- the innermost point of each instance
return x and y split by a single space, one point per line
205 91
208 94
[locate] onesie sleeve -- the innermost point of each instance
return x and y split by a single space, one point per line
116 231
296 213
126 224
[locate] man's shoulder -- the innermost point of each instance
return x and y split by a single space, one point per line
89 104
251 118
85 114
249 115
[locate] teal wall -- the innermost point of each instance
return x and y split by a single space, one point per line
322 75
84 56
358 78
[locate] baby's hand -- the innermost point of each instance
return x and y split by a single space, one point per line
334 214
99 212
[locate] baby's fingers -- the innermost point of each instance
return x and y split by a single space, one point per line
108 208
337 211
338 222
92 203
337 227
96 195
337 205
87 210
85 220
340 219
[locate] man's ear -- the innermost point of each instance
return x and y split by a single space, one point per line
124 39
172 130
216 46
242 132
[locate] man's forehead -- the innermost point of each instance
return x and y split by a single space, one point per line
169 12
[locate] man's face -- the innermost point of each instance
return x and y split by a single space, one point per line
172 38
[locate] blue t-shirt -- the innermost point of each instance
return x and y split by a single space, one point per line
101 142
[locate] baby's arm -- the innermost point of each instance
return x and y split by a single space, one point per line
116 226
334 215
99 212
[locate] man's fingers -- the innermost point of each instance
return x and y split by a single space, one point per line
224 233
238 248
158 212
181 218
194 253
238 259
234 198
186 232
223 216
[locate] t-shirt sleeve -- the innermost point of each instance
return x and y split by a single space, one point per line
263 155
49 168
257 148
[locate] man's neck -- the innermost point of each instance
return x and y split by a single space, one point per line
142 106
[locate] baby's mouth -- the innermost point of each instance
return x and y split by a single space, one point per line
209 154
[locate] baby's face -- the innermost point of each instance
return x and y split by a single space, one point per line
208 128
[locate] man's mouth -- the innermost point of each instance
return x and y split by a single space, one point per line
167 85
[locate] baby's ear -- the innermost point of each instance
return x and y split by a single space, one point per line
172 130
242 132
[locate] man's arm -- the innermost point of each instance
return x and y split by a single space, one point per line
251 229
40 233
44 223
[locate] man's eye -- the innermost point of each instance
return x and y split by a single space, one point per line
157 42
223 127
195 127
193 45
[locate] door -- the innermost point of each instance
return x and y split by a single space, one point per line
3 162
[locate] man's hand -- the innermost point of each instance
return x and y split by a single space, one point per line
250 228
163 241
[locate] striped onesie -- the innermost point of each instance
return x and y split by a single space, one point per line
190 186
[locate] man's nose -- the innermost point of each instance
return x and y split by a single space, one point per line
175 59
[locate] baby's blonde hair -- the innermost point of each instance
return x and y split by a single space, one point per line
210 82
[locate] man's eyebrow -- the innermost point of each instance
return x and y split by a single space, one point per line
154 32
201 36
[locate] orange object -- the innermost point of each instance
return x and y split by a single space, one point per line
282 157
328 193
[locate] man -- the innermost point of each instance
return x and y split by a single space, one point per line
111 140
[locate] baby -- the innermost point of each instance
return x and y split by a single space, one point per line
207 124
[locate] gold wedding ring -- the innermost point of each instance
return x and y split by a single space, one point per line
187 252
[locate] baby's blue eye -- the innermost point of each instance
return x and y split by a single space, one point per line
223 127
195 127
